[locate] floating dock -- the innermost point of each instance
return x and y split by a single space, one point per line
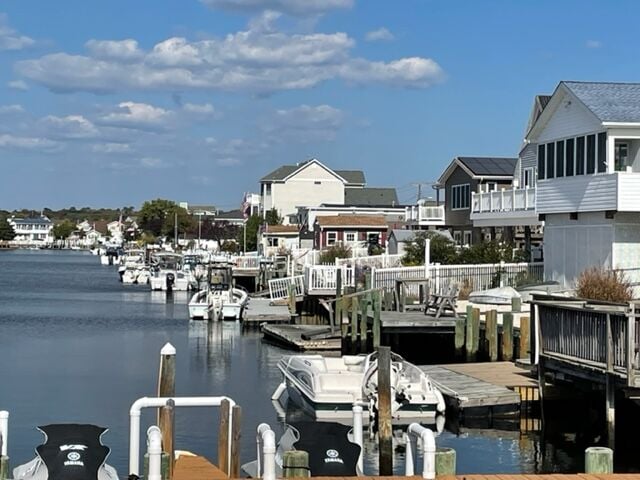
416 322
262 310
303 337
195 467
478 389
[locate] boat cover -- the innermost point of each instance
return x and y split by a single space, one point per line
70 452
494 296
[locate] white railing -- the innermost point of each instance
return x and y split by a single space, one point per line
279 287
425 215
324 277
477 277
247 262
510 200
377 261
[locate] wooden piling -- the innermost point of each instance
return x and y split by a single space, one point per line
355 310
385 447
377 307
524 337
292 301
507 336
473 333
337 316
491 333
166 377
223 436
295 464
4 467
459 336
598 460
516 304
167 428
445 461
236 416
364 320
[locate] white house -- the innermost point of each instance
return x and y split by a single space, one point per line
278 239
587 146
307 184
36 231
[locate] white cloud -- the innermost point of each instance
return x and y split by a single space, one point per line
257 60
593 44
228 161
27 143
293 7
379 35
153 162
69 127
9 38
203 109
111 148
18 85
9 109
137 116
305 123
125 50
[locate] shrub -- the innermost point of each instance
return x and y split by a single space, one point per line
338 250
466 287
442 249
596 283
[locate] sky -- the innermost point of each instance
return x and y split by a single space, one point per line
109 104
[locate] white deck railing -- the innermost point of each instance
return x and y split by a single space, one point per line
279 287
247 262
324 277
511 200
425 215
377 261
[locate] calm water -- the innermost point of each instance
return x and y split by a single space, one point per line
78 346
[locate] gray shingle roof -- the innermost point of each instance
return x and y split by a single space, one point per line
280 173
490 166
352 176
32 221
231 215
610 102
378 197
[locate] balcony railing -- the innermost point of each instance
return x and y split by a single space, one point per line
511 200
425 215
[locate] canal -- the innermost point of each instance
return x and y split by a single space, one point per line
76 346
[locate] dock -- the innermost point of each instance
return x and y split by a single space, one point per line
415 322
303 337
195 467
262 310
475 389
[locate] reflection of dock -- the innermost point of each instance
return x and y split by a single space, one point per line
476 389
261 310
303 337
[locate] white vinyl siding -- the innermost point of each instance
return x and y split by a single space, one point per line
570 119
460 197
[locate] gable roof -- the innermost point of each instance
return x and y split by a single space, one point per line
280 174
358 197
282 229
230 215
351 221
609 101
498 168
31 221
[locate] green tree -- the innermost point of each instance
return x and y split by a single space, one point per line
63 229
339 250
442 250
159 216
272 217
252 226
6 230
487 252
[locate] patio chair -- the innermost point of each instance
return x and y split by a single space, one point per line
443 303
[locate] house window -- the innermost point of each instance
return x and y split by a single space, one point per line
332 238
457 237
541 162
560 158
621 152
492 186
467 237
602 152
350 237
373 238
551 160
272 242
580 156
460 197
267 189
591 154
570 161
528 178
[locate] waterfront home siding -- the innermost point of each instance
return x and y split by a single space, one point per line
572 246
628 192
570 118
583 193
528 159
455 218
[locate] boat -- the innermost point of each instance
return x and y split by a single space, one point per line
327 387
166 272
220 299
70 451
110 256
494 296
130 265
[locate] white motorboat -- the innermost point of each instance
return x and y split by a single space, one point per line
220 300
167 274
494 296
110 256
327 387
130 264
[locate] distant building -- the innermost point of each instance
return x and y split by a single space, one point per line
276 239
350 230
36 231
199 210
233 217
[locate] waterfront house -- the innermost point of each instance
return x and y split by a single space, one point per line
278 239
306 184
32 231
350 230
587 145
232 217
426 214
461 178
204 211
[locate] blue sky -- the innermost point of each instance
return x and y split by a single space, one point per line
112 103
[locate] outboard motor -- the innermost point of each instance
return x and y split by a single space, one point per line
171 280
70 452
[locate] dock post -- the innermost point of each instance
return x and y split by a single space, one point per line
236 418
295 464
507 336
167 420
598 460
610 387
491 329
445 461
355 310
223 437
376 329
364 320
473 333
166 377
385 447
459 337
525 329
516 304
292 301
337 316
4 467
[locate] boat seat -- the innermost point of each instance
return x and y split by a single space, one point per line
340 382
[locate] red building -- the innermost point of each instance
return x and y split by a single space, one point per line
353 230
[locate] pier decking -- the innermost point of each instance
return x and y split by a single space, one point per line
262 310
195 467
415 322
293 336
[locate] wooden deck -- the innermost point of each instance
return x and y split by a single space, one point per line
261 310
195 467
416 322
291 336
473 388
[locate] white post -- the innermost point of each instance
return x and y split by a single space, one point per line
154 450
428 450
357 434
408 456
267 440
427 256
4 432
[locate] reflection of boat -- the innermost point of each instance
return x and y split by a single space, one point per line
70 451
220 299
327 387
166 272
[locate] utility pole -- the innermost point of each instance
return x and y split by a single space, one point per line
419 185
175 230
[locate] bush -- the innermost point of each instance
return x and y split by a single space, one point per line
338 250
442 249
596 283
466 287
